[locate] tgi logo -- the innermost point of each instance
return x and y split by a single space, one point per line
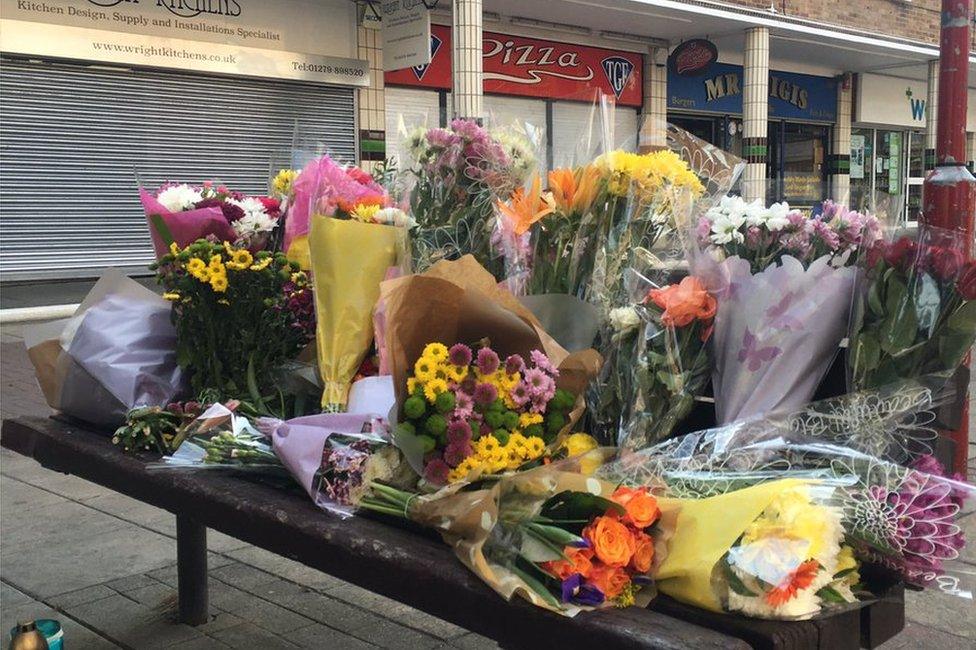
420 70
618 70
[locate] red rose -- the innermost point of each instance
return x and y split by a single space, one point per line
946 262
966 283
902 253
876 253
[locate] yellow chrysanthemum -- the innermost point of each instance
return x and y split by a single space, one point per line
534 447
234 266
171 295
456 374
174 249
486 445
242 257
579 443
216 262
424 370
261 265
411 385
436 351
218 283
365 212
282 183
528 419
195 265
433 388
203 275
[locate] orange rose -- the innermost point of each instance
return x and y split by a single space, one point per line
612 542
579 562
641 507
643 554
684 302
611 580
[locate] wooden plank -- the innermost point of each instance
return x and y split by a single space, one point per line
416 569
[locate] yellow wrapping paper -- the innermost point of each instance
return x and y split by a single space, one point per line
298 252
705 530
349 260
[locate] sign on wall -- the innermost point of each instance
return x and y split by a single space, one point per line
718 89
406 34
532 67
891 101
692 58
312 40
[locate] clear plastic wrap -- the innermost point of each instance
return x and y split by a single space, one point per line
915 311
905 518
116 353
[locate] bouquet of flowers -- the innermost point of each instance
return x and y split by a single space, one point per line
240 317
459 173
784 283
475 414
155 428
916 314
180 213
336 457
552 535
459 409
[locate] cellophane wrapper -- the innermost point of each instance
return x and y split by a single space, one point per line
908 519
915 307
334 456
182 228
479 521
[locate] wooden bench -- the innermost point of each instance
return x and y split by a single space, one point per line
409 565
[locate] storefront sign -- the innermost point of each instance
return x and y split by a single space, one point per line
313 40
857 156
719 90
692 58
530 67
890 101
406 34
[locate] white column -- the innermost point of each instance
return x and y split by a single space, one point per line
654 113
931 114
840 156
466 59
755 110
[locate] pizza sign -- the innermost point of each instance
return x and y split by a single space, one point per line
693 57
530 67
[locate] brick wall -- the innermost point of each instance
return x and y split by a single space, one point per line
914 19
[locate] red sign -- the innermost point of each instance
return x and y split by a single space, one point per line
693 57
532 67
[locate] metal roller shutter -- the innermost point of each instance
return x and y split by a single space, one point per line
526 116
577 132
406 109
73 138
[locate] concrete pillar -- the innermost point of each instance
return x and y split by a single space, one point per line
755 112
466 51
372 102
971 151
931 114
654 113
840 155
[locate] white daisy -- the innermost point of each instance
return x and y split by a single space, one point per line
177 198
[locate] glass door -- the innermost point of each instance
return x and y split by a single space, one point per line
915 176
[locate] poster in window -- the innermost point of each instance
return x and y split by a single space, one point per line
802 188
894 168
857 157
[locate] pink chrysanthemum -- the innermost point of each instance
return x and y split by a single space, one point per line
463 405
458 431
487 361
542 362
539 384
436 471
514 363
485 394
520 394
459 355
456 452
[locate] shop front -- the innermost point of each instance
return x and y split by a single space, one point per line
94 96
545 88
707 101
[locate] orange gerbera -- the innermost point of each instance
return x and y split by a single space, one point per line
801 578
524 209
684 302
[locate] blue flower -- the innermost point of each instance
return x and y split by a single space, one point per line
576 591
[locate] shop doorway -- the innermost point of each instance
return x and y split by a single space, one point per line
887 173
796 167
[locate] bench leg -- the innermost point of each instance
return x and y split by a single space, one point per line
191 566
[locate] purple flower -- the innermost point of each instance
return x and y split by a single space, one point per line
703 230
487 361
928 464
469 130
441 138
458 431
467 385
540 385
463 404
539 404
485 394
576 591
520 394
826 234
514 363
456 452
459 355
542 362
436 471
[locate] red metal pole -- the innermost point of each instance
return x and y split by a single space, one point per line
950 189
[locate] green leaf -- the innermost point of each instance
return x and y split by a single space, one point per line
900 327
536 586
162 229
735 583
874 299
555 534
845 572
537 549
953 346
831 595
894 296
867 351
578 505
964 318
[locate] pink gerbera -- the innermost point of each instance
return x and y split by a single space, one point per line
487 361
459 355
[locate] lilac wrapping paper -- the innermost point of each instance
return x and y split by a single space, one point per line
776 333
187 226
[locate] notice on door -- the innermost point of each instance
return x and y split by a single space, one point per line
857 156
406 35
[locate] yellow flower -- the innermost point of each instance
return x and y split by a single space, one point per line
436 351
203 275
218 283
216 262
433 388
171 295
791 515
534 447
456 373
195 265
579 443
411 385
282 183
365 212
424 370
486 445
499 460
528 419
174 250
261 265
242 257
847 562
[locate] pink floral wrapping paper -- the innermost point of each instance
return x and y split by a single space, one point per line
186 227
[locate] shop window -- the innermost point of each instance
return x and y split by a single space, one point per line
862 166
797 164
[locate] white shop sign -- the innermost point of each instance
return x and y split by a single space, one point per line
312 40
893 101
406 34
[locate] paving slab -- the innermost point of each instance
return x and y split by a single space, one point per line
286 568
132 624
18 606
249 637
265 614
319 636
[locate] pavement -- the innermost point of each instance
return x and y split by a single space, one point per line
104 565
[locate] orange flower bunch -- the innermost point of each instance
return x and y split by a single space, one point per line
619 548
684 302
574 191
525 208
